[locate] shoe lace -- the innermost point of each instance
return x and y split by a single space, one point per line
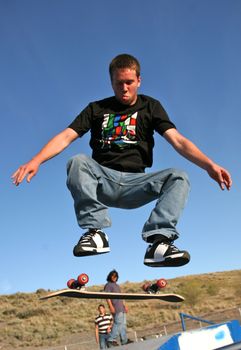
87 236
172 246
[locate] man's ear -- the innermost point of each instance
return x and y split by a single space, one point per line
139 81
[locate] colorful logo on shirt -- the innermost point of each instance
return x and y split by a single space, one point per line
119 129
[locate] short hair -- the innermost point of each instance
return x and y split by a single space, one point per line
124 61
101 305
113 272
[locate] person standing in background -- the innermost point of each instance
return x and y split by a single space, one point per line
118 310
103 325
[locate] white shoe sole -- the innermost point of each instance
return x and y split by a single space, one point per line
174 260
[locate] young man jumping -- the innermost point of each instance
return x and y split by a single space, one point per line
121 137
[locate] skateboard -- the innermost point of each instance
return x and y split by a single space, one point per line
76 289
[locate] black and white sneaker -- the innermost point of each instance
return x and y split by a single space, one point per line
91 243
164 253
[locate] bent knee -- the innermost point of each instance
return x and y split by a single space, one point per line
180 174
76 160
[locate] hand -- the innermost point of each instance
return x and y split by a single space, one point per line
29 169
221 176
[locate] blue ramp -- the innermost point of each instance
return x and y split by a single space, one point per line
208 338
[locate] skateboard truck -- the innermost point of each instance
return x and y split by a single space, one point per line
79 283
154 287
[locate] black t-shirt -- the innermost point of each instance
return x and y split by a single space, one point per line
122 136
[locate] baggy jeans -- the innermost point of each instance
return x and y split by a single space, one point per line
119 328
94 188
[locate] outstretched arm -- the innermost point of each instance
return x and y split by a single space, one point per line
55 146
190 151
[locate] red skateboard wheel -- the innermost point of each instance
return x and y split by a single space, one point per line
146 286
161 283
71 283
83 279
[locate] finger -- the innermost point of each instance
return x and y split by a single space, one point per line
19 175
14 174
30 176
226 178
229 183
225 184
15 177
222 185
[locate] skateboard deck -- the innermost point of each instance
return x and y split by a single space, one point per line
80 293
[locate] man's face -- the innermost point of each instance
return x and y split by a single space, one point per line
125 84
113 277
101 310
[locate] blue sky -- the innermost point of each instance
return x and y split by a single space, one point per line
54 61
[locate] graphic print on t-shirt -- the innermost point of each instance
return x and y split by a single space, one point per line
119 130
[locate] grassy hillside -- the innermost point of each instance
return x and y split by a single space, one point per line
28 321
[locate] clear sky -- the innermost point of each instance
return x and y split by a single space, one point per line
54 60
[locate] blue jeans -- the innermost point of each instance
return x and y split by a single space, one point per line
103 340
95 188
119 328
